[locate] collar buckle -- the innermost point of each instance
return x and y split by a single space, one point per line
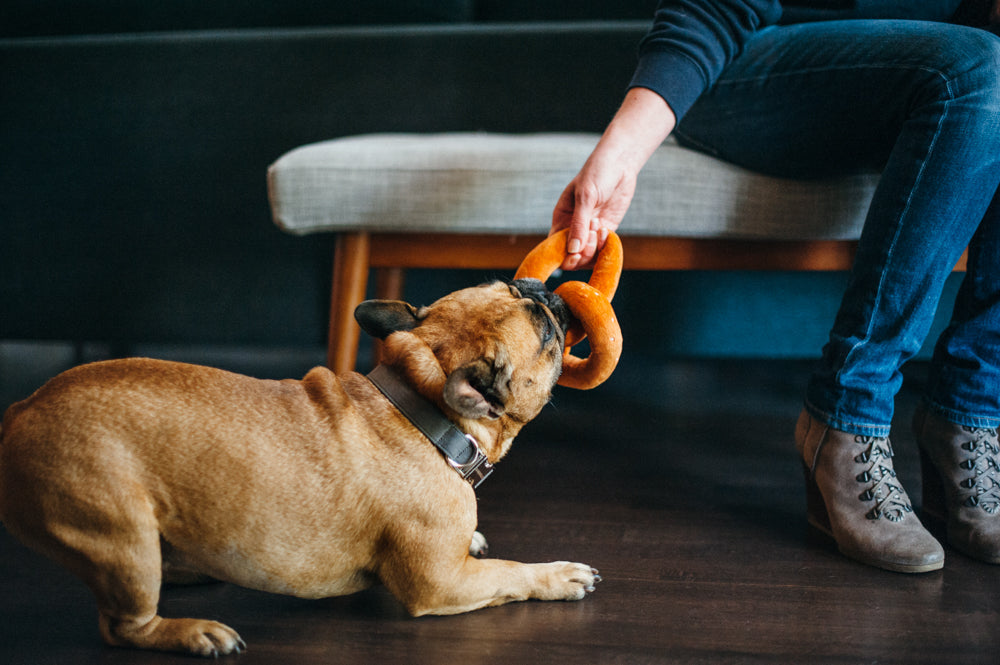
476 470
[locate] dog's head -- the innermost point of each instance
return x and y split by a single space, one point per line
488 355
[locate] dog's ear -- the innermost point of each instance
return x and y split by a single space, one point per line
478 390
381 318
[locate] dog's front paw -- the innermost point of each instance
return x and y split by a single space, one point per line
568 581
478 547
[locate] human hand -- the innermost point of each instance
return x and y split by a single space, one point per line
591 206
595 201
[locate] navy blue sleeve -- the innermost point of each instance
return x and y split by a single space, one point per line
692 40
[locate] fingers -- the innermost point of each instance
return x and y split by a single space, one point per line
584 236
591 206
578 253
582 248
574 211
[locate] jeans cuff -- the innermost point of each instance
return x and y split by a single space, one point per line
960 418
847 424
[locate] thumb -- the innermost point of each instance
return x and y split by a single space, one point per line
580 226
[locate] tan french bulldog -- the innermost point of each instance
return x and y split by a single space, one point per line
135 472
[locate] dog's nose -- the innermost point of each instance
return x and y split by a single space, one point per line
537 291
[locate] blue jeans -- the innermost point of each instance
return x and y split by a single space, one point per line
921 101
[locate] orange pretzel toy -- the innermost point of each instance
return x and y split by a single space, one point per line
590 304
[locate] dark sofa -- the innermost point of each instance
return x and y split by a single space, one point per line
135 138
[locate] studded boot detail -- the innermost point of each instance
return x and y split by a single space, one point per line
855 497
961 475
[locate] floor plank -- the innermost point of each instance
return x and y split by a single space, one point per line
680 484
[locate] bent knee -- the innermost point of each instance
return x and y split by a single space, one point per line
973 67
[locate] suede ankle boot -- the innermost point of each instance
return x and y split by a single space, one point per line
961 474
854 496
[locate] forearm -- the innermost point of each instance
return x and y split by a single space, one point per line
595 201
641 124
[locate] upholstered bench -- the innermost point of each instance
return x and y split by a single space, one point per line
471 200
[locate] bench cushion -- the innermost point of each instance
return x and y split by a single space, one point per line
508 184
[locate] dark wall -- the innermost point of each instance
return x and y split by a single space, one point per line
134 189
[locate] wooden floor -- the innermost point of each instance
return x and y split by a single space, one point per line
678 481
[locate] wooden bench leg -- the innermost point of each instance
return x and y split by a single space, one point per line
389 283
351 257
388 286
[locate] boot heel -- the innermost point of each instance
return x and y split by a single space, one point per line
933 490
816 512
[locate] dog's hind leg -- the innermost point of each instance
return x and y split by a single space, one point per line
115 550
128 588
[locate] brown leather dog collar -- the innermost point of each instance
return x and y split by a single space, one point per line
460 449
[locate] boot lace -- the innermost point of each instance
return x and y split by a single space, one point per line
984 483
891 501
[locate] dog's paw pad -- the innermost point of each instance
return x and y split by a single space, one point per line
478 547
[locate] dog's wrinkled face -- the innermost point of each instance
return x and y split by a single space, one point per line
499 345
